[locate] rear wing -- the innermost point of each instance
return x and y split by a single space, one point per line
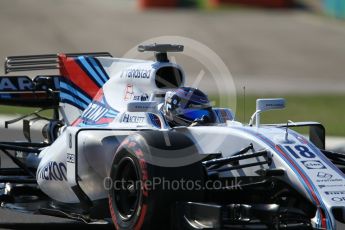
42 91
79 79
42 62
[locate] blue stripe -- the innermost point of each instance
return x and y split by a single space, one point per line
93 125
76 98
113 112
325 160
218 116
301 179
98 69
319 219
297 173
109 116
75 91
229 114
321 155
271 144
90 70
68 98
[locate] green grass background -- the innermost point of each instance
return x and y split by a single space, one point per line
328 109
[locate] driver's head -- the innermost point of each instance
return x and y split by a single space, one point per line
186 105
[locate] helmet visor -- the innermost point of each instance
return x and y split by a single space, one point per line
193 114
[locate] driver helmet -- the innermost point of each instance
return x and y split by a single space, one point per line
187 105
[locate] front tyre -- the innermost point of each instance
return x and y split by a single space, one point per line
143 194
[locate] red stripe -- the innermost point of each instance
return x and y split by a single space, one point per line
112 212
323 219
99 95
76 122
305 179
104 120
70 69
140 222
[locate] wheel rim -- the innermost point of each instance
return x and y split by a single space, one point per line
127 191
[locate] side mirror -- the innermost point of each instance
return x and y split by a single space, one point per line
270 104
265 105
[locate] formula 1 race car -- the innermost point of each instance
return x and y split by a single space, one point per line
109 154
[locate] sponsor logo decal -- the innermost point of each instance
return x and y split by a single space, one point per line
338 199
324 175
70 141
335 192
133 119
143 97
53 171
313 164
330 180
330 185
144 107
70 158
15 84
128 92
138 73
94 112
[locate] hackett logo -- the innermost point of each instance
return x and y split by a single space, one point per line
132 119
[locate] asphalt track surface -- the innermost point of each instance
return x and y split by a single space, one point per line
267 51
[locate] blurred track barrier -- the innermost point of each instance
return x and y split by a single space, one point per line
257 3
335 8
144 4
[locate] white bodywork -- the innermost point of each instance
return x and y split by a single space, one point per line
82 155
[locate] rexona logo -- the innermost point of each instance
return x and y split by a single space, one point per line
94 112
53 171
15 84
313 164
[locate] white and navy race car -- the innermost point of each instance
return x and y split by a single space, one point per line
109 153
